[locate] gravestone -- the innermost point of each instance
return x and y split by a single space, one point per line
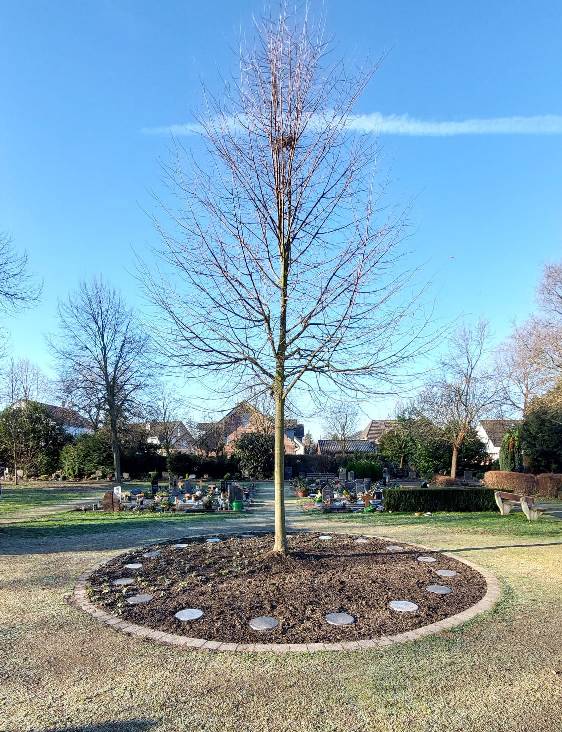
468 475
342 475
327 493
351 476
412 475
110 502
235 492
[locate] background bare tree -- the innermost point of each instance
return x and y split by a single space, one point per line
522 369
548 324
550 291
283 271
17 287
340 422
167 412
24 380
467 389
104 357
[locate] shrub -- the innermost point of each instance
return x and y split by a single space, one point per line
439 499
503 480
510 451
443 481
365 468
255 453
549 484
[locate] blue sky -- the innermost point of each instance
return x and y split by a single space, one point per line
80 81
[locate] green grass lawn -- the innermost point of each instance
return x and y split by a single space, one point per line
23 498
490 523
62 670
68 523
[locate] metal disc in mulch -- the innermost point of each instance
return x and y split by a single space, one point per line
189 613
264 622
439 589
240 581
403 606
340 619
138 599
123 581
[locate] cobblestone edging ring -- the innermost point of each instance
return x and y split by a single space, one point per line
80 599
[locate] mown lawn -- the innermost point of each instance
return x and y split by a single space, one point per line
70 523
61 670
488 523
16 499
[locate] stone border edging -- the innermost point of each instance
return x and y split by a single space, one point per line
80 599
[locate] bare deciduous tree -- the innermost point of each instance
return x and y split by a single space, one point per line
550 291
104 357
283 258
467 389
521 367
167 415
17 288
340 421
24 381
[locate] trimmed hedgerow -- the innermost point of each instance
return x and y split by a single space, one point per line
505 480
439 499
549 485
443 481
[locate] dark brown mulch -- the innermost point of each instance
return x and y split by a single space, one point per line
238 579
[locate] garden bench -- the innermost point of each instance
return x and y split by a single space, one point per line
506 501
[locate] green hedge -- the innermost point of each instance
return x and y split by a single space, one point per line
439 499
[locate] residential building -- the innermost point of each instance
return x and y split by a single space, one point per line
243 418
492 431
376 428
71 421
172 435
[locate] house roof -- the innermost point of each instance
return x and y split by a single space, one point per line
495 429
376 428
175 429
66 416
234 419
333 447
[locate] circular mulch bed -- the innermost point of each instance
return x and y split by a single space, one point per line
238 579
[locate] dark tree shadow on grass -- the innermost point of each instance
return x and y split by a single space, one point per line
46 537
129 725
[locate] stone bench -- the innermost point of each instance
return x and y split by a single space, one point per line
506 501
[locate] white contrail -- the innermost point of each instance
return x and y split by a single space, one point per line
380 124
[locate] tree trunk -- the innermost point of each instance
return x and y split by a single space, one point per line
116 453
454 461
280 544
